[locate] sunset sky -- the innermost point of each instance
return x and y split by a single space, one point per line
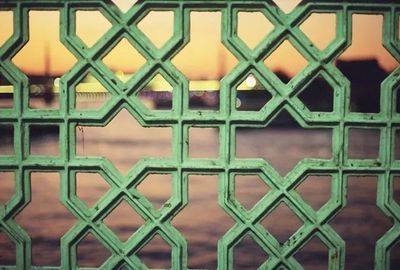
204 56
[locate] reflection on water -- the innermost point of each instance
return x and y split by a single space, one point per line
202 221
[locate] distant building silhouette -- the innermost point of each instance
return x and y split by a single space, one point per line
366 76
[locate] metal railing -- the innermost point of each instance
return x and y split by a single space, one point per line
226 119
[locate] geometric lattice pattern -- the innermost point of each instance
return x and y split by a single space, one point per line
227 119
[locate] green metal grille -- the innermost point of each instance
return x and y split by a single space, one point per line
227 119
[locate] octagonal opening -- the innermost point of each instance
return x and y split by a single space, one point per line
124 141
361 223
366 67
283 143
202 222
204 76
45 218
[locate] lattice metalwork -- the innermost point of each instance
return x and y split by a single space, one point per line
227 119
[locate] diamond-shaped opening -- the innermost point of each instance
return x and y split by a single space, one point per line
314 255
283 143
7 249
248 254
316 190
6 140
7 25
203 142
395 256
124 5
287 5
124 60
251 95
91 253
45 218
286 59
320 28
361 223
44 140
6 92
157 188
153 22
202 236
282 222
249 189
157 95
90 187
7 186
44 58
396 189
363 143
204 68
123 221
156 254
90 93
117 142
318 96
91 26
366 66
251 35
396 147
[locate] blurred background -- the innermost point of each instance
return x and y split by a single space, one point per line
204 61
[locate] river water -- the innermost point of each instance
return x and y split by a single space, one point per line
202 221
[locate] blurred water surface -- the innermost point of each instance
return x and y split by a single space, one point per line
202 222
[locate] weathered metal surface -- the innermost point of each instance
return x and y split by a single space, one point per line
180 119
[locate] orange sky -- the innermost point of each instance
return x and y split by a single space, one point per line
201 58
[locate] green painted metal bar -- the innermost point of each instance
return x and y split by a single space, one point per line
227 119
